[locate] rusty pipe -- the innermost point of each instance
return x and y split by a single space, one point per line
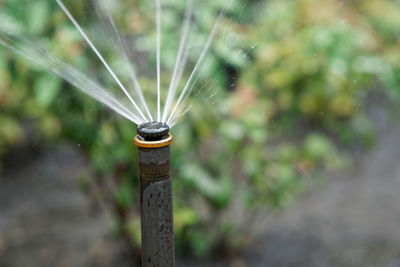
153 141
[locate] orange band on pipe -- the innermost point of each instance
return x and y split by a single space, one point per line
153 144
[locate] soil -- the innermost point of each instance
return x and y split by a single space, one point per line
45 219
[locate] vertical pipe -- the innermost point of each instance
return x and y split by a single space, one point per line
153 143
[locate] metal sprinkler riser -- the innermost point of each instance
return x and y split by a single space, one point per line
153 142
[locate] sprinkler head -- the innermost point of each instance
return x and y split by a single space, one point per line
153 131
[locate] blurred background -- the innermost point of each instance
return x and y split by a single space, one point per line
289 155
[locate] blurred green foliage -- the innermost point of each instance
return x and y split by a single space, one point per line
298 73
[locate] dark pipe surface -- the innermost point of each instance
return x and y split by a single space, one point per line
156 206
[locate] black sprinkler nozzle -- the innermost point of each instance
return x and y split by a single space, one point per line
153 131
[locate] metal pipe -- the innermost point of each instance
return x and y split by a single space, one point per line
153 142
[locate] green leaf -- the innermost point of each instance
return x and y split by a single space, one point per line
218 190
184 217
318 147
38 14
10 130
46 88
124 196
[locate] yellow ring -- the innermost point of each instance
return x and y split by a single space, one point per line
153 144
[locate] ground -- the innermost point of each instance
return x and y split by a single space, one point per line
45 219
352 219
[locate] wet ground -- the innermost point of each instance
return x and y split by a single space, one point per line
44 218
352 219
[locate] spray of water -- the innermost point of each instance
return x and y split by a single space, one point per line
130 110
180 61
66 11
196 67
40 56
122 48
158 22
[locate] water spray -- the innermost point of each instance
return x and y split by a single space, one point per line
153 141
